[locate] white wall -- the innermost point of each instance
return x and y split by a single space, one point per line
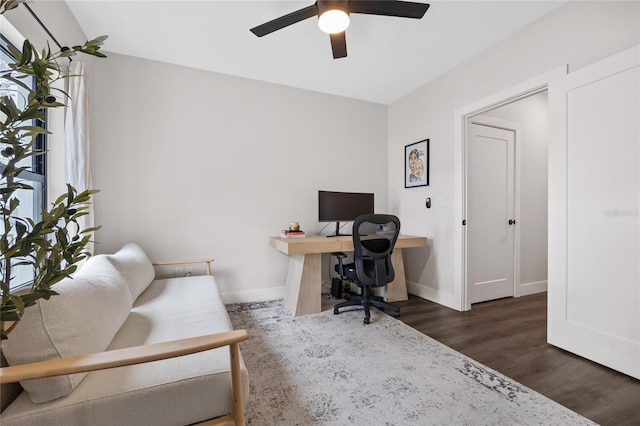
194 164
532 115
576 34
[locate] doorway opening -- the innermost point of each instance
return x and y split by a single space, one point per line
506 194
500 111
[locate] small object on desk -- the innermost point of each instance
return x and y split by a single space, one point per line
294 226
292 234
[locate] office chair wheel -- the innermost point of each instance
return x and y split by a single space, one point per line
366 321
335 311
396 314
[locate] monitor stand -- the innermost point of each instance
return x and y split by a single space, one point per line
337 233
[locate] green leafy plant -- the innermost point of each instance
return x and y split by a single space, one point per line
53 245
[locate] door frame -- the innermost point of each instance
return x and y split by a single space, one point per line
487 121
522 90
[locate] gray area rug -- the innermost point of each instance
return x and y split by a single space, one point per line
327 369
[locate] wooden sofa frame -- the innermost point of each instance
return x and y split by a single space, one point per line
146 353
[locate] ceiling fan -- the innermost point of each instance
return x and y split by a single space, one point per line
333 17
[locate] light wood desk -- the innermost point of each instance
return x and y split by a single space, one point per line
304 279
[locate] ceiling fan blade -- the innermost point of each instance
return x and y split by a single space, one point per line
403 9
285 21
339 45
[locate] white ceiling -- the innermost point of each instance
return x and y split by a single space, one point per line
387 58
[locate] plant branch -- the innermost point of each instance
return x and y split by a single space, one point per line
53 245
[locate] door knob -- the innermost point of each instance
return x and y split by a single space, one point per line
512 222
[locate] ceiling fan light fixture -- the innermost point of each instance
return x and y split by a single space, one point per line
333 21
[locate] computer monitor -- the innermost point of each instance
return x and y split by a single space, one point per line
343 206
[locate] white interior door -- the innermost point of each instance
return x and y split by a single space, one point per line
490 212
594 212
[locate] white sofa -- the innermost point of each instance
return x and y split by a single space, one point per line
115 309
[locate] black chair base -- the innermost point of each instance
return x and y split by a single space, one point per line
366 303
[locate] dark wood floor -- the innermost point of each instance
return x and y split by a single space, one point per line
509 335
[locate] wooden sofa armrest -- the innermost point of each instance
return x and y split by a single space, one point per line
207 262
120 357
138 355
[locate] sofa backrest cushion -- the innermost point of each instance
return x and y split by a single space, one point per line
136 268
83 318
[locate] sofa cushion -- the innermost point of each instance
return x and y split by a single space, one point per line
83 318
136 268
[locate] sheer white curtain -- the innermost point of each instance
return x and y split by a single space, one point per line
77 135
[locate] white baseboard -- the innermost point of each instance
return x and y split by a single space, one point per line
445 299
419 290
533 288
248 296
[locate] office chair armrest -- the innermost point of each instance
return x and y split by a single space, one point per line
340 255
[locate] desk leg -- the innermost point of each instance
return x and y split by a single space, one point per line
397 289
303 291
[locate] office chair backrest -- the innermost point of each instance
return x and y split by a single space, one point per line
373 245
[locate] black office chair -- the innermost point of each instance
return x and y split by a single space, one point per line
374 236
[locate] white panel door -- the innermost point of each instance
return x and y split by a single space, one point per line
490 213
594 212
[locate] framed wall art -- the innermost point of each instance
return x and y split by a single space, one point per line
416 164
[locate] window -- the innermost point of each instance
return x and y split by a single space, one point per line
31 202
